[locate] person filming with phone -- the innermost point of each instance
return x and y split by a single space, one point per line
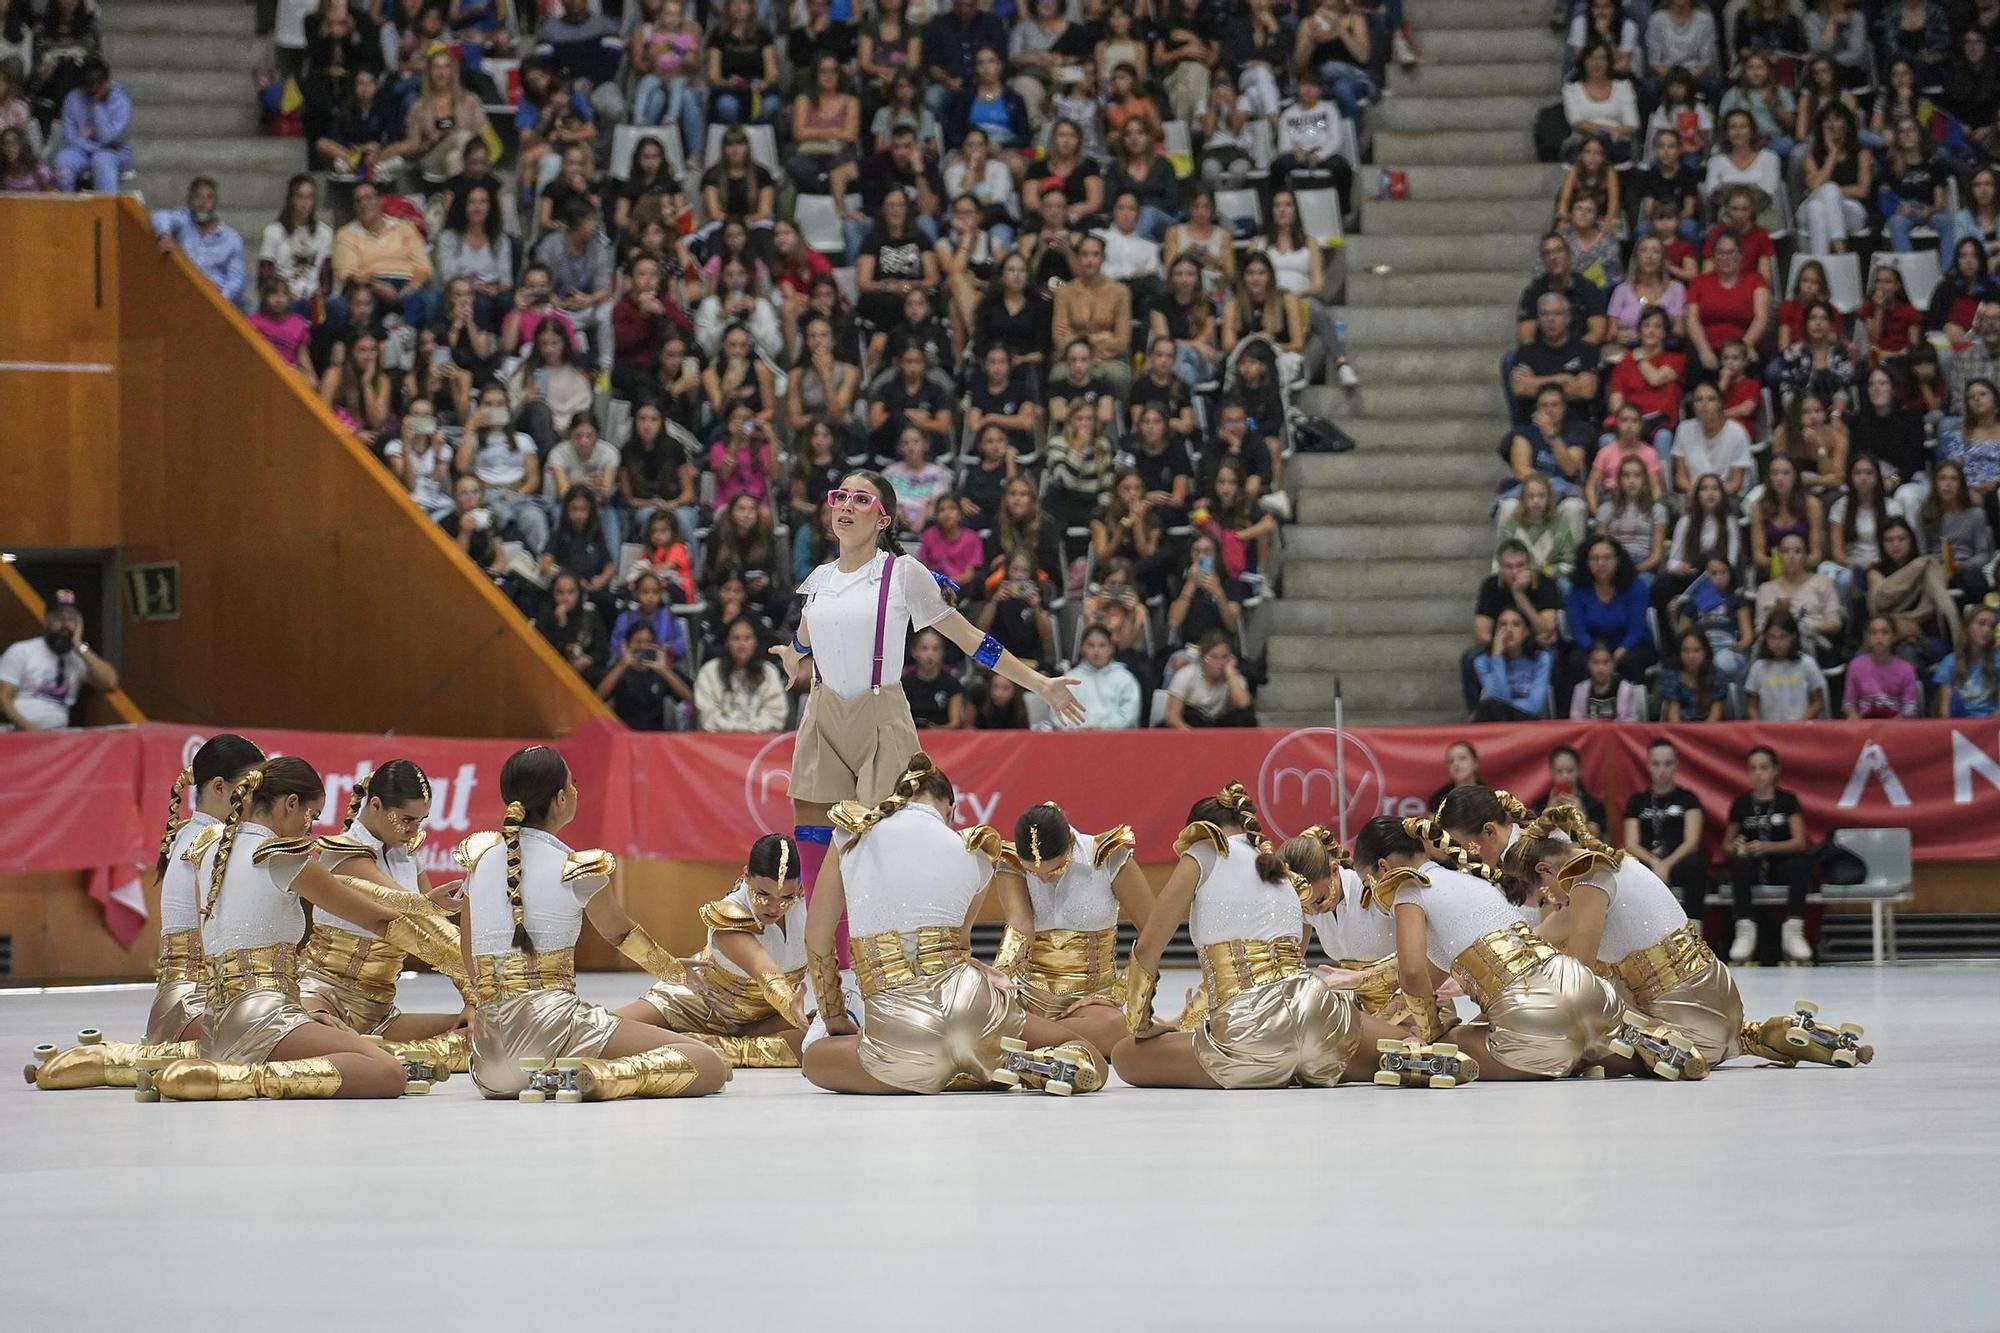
1208 599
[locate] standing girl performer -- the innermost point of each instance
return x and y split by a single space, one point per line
934 1019
350 973
1621 919
744 994
526 895
253 870
1549 1015
1270 1022
860 608
1061 891
175 1022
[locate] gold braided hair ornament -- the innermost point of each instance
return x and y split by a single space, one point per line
510 834
784 860
854 818
239 796
1236 801
182 781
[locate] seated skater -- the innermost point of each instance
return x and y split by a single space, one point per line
1623 920
1549 1015
745 992
526 895
349 973
1061 891
175 1022
257 1040
1270 1022
933 1017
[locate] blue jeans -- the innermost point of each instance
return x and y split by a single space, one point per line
1901 224
937 99
1192 367
733 108
1689 229
1153 223
1348 85
654 103
855 232
73 160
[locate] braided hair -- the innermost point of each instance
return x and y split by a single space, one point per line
1314 855
259 789
1543 836
395 783
1043 829
530 781
226 757
1232 805
921 777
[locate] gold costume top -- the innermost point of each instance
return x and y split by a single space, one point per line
1074 950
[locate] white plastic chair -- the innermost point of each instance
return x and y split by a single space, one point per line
1179 148
1843 278
625 142
1920 269
763 146
1319 214
1233 204
819 223
1886 853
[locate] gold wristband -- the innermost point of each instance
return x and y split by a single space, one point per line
1139 987
1012 955
1424 1013
780 992
1375 989
824 969
640 948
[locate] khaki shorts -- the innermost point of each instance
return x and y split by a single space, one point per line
852 749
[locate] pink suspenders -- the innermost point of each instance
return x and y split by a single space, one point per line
881 626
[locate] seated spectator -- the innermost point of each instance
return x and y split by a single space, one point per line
743 461
507 463
1729 303
577 547
1652 379
937 699
1257 391
1115 604
1210 691
742 545
1972 440
385 253
1076 381
1880 684
1602 23
1010 315
999 705
895 260
587 460
1241 533
1514 583
1556 357
1601 106
1583 301
911 398
96 118
657 473
1809 285
1163 468
419 456
1078 469
1591 175
1607 602
740 689
1785 508
1309 129
1534 523
1955 528
1649 286
737 188
1461 769
1815 604
1208 601
1185 314
1737 217
1663 826
297 247
1765 843
1541 447
1129 256
1854 521
1913 190
743 84
917 481
1712 605
740 379
987 104
826 129
649 611
1093 309
1819 364
1015 613
982 482
1709 527
1106 688
21 171
1595 253
641 318
999 398
1635 520
1128 528
1967 285
1772 115
1235 442
1692 691
1602 695
1514 673
210 244
1966 678
643 683
579 261
550 389
1140 170
287 331
1785 684
42 678
979 172
1813 435
1709 444
1671 176
666 55
950 548
1839 177
444 118
1021 528
1566 788
358 390
822 386
552 118
573 628
921 327
1972 78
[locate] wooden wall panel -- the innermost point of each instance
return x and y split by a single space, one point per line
58 932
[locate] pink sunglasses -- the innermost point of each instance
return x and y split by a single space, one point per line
853 499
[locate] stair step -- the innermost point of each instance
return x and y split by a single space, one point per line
152 90
1427 365
1432 254
213 120
1407 581
1495 77
1415 400
1425 15
1305 653
1516 181
1416 537
1456 113
227 62
1313 616
243 193
1433 326
1407 288
1414 148
1447 433
1372 717
1338 505
228 22
275 157
1441 217
1471 46
1364 692
1469 455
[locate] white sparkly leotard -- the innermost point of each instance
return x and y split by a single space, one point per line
551 909
909 871
1231 903
256 906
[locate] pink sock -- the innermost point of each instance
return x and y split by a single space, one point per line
813 840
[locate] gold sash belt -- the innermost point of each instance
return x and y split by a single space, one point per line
1496 958
180 957
1234 966
1074 962
1659 968
881 961
369 967
501 976
230 976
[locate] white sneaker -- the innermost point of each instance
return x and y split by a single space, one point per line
1792 941
1406 55
1348 379
1744 947
1277 504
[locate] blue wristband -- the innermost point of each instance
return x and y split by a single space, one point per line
802 649
987 654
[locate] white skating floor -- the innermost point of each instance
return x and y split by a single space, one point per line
1812 1199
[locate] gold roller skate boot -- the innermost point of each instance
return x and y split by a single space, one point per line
1664 1052
751 1052
1061 1070
97 1063
426 1062
665 1072
196 1080
1800 1036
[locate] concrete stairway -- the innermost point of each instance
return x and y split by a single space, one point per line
1393 538
187 65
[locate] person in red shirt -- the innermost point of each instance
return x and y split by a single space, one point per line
1742 392
794 269
1739 219
1683 258
1809 286
1731 302
1651 379
1888 314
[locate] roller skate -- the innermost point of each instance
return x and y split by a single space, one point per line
1060 1070
95 1063
425 1063
663 1072
197 1080
1665 1052
1793 946
1743 948
1801 1036
550 1078
1416 1064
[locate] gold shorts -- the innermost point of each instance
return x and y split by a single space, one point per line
692 1007
852 749
1296 1029
539 1025
248 1028
1706 1009
175 1005
922 1034
1553 1019
333 995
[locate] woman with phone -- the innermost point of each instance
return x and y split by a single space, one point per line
860 609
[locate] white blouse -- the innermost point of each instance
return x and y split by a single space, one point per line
1641 911
1458 909
785 940
1082 899
1231 903
840 618
180 893
256 907
909 871
551 909
1351 931
395 862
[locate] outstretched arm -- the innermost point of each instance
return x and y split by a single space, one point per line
980 647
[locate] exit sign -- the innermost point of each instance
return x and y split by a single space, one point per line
154 591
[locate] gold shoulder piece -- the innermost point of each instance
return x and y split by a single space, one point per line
983 839
1382 893
724 915
274 847
1582 866
338 847
1201 831
1110 843
468 852
1010 859
851 817
202 841
584 864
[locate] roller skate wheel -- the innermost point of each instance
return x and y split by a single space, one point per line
1059 1087
1850 1029
1621 1047
1389 1046
1594 1071
1680 1043
44 1051
1797 1036
1845 1059
532 1095
416 1087
568 1095
1443 1081
145 1094
1387 1079
1668 1070
1805 1007
1013 1045
28 1072
1444 1048
89 1037
1006 1078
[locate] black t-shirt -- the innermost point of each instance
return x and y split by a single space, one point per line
1601 707
1023 332
1071 393
822 477
1585 300
838 40
1493 599
985 487
928 396
1157 471
1179 318
739 193
1574 357
897 261
1254 457
1004 403
1764 821
880 174
1919 183
931 335
742 56
1662 819
655 471
1016 626
1203 614
1652 183
930 700
640 700
1170 397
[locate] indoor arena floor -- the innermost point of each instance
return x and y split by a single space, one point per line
1812 1199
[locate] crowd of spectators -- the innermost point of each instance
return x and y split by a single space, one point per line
619 292
1746 480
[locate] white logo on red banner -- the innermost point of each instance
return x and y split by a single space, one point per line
1301 783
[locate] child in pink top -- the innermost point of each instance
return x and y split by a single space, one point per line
275 322
740 458
1879 683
